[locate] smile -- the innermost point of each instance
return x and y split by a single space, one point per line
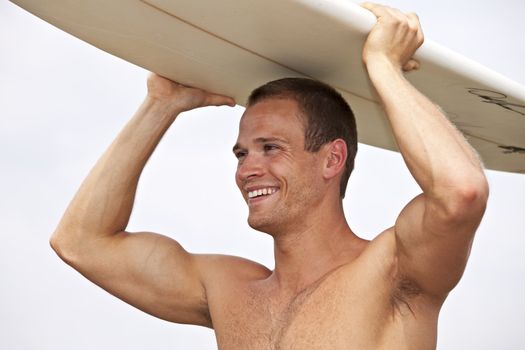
262 192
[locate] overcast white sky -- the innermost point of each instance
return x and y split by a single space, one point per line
62 102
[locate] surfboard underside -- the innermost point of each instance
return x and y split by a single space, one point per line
231 47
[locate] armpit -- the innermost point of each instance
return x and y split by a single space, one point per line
403 295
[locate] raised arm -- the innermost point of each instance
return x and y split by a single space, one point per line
149 271
434 231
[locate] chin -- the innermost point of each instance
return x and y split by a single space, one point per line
263 225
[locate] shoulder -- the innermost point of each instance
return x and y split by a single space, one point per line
217 267
228 280
381 251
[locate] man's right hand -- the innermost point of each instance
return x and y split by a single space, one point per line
180 98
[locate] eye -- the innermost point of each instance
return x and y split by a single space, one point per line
270 147
240 154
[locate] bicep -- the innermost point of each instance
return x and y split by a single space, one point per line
433 244
149 271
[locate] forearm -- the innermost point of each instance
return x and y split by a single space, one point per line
103 204
435 152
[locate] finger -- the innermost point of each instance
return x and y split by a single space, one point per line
367 5
412 64
416 23
388 14
376 9
413 16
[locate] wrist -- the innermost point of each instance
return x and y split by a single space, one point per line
381 63
382 71
162 107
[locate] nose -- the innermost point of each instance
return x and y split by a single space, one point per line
251 166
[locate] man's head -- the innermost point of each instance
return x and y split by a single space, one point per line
296 146
326 114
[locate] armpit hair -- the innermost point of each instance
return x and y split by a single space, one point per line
403 294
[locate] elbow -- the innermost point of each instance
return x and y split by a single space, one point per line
468 199
62 247
54 242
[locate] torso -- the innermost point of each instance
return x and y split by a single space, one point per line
359 305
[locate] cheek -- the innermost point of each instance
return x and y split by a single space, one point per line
280 169
238 180
306 175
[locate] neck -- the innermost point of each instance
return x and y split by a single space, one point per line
318 245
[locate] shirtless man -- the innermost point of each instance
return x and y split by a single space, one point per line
330 289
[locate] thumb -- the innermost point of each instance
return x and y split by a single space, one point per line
412 64
219 100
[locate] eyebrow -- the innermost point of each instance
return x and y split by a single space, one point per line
261 140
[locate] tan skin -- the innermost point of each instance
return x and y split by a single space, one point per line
330 289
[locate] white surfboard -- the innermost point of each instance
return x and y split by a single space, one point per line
231 47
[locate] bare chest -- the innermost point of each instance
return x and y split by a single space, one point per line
337 313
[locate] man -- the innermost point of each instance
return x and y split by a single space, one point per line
330 289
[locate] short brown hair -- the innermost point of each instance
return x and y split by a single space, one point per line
327 115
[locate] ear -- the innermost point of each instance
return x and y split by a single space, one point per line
336 154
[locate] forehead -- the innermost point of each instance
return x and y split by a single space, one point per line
271 118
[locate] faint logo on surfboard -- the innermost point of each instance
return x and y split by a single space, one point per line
512 149
501 100
497 98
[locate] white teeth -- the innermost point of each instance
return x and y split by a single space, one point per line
261 192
